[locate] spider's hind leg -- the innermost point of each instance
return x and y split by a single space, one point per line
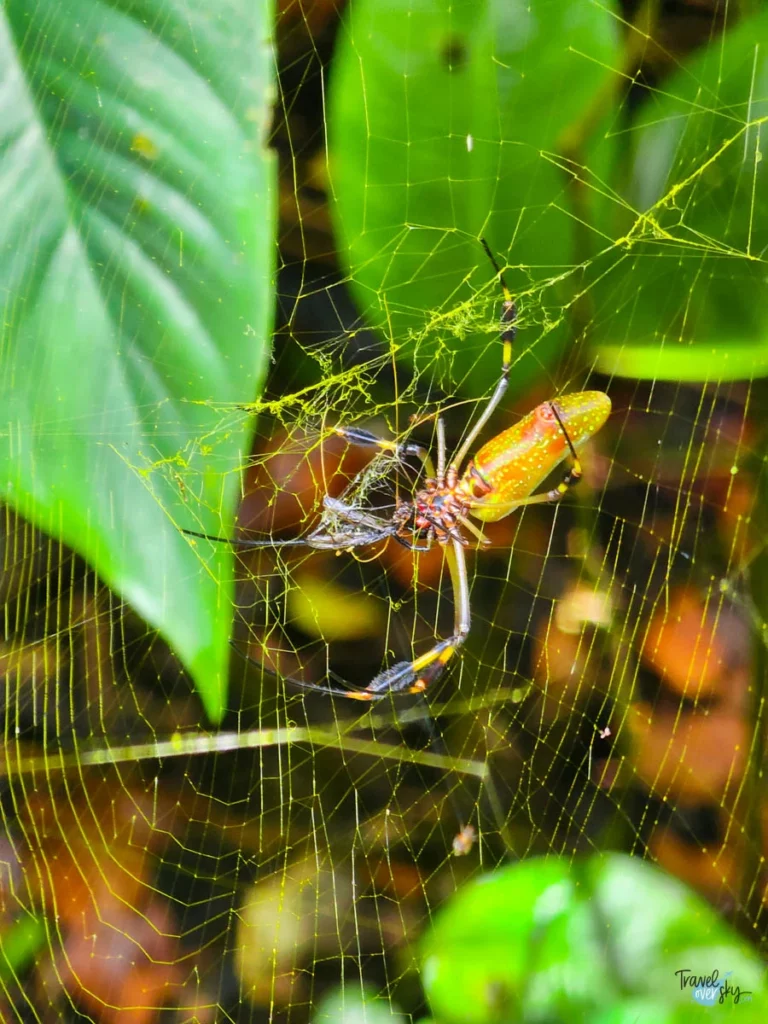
415 676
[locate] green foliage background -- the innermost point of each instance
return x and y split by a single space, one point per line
157 166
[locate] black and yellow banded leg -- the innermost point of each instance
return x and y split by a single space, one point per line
572 476
507 334
366 439
417 675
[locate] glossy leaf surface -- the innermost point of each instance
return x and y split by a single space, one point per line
135 274
689 300
433 144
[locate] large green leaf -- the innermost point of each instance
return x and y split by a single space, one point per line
135 270
602 940
690 301
445 121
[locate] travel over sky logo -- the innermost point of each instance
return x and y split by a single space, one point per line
709 989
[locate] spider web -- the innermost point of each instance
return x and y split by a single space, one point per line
609 695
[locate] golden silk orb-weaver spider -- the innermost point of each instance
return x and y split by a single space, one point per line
500 478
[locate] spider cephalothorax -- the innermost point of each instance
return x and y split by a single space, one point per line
441 507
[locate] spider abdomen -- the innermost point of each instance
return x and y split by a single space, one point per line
515 462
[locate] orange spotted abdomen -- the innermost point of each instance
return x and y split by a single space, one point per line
515 462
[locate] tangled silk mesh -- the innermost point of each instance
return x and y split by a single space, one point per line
602 698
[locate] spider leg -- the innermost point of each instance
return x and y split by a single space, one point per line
365 439
245 542
440 452
313 687
572 476
470 526
415 676
574 472
412 545
320 539
507 333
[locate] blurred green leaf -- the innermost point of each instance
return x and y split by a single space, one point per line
690 300
596 941
135 271
20 944
350 1005
445 120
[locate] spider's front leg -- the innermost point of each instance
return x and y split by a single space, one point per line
415 676
365 439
